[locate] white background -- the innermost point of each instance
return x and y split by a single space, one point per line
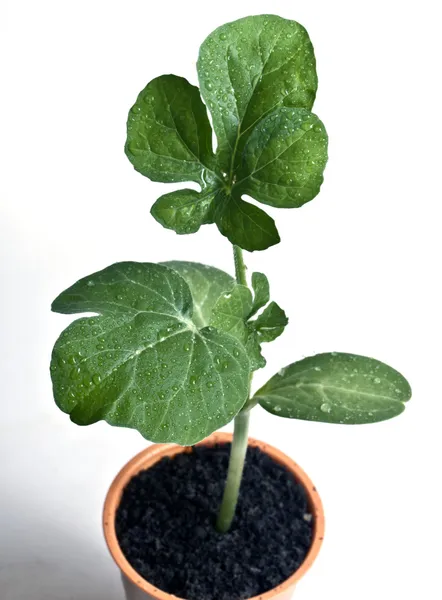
358 270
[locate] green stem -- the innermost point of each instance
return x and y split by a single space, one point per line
240 267
240 435
234 474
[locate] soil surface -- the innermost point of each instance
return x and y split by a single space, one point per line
165 526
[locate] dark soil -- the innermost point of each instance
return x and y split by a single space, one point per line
165 526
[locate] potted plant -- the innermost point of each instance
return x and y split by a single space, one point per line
172 347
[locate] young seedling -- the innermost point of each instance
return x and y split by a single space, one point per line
173 346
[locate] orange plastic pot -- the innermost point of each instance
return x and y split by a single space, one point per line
138 588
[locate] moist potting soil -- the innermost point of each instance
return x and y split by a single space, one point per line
165 526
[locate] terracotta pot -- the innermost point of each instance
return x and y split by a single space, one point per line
138 588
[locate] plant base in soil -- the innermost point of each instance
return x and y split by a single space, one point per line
166 526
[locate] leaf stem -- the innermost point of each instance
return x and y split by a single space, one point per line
234 474
240 435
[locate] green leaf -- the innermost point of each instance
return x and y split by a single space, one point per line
244 224
142 363
230 314
253 349
284 159
184 211
206 286
270 323
169 137
258 79
336 388
248 68
261 290
231 311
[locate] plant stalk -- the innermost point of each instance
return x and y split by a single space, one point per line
240 267
240 435
234 474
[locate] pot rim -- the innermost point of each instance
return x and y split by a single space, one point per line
152 454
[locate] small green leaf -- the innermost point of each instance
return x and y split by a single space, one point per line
184 211
231 311
206 286
270 323
248 68
244 224
261 290
142 363
284 159
169 137
336 388
253 349
230 314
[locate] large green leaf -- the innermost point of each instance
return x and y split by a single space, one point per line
248 68
284 159
206 285
184 211
270 323
142 362
336 388
169 137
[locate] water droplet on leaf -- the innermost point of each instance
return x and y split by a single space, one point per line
96 378
75 373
